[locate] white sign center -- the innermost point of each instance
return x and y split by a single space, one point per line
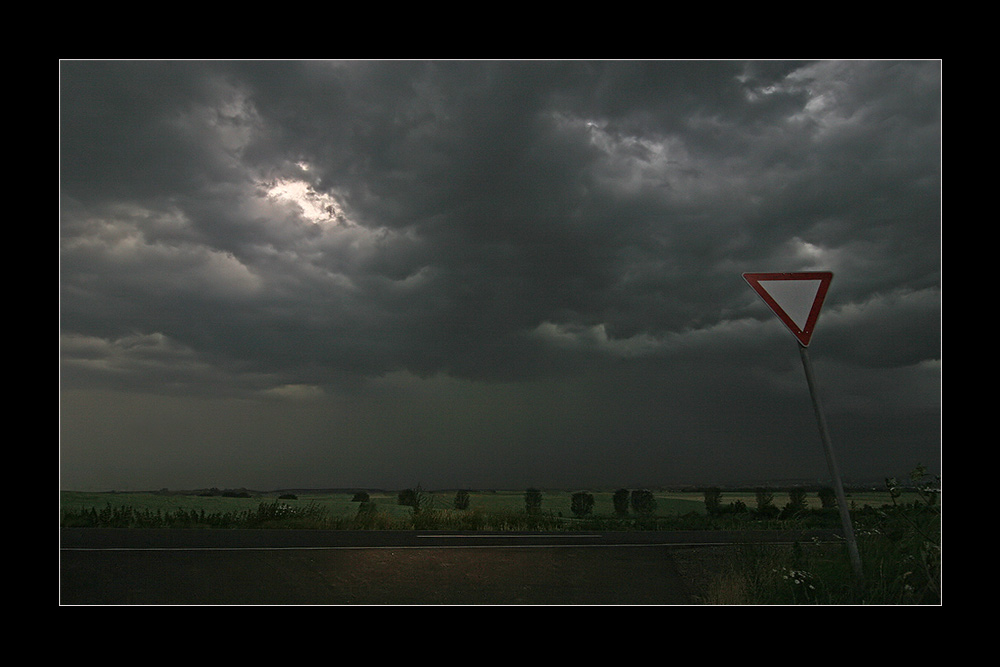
796 297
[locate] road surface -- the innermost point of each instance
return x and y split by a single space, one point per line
311 567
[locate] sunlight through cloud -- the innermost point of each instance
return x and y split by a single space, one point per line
317 207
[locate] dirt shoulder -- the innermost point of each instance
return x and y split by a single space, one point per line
640 575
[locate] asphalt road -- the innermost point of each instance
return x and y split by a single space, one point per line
290 567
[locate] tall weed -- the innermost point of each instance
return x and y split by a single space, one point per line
900 549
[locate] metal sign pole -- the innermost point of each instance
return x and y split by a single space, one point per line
845 514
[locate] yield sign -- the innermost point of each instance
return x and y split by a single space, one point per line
795 298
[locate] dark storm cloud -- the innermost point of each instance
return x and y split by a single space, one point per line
572 232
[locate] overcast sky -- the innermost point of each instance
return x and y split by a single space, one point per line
480 274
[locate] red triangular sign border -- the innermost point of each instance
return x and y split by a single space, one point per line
804 334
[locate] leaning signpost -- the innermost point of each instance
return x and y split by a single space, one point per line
796 298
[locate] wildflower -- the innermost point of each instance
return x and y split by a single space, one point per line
799 577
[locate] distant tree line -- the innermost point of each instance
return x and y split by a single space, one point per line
641 501
638 502
765 507
227 493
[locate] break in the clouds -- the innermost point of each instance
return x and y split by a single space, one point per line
478 273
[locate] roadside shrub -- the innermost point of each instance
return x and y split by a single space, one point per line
280 515
713 500
582 503
416 498
797 498
462 500
643 502
796 504
765 503
474 519
533 501
266 515
426 519
360 497
370 518
620 500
